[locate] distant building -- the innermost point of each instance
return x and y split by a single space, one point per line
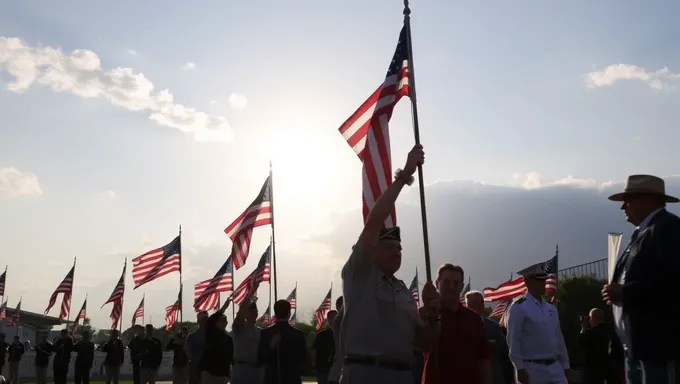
31 326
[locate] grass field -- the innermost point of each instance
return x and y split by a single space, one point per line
304 380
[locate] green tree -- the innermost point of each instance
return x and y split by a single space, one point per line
576 296
487 311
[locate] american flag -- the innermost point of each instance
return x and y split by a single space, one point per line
3 311
367 130
259 275
3 279
500 308
207 292
117 299
293 319
464 292
65 287
266 319
550 267
81 315
323 309
157 263
292 298
506 291
139 312
258 213
414 289
14 320
172 312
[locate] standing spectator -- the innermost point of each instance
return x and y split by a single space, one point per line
246 336
3 352
150 357
218 356
643 276
16 350
84 359
339 354
135 347
194 346
323 352
62 357
282 349
115 355
594 340
179 357
43 351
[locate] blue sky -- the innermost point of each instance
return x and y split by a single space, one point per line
504 92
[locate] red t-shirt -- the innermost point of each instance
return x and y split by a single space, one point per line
461 346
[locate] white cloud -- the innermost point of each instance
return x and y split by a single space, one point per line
14 183
237 101
189 66
108 195
213 102
132 52
534 180
660 79
80 72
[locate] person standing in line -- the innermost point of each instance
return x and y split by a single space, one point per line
4 347
595 342
16 350
644 274
282 349
115 355
151 357
377 305
62 357
323 350
135 347
43 351
194 346
84 359
180 360
502 366
218 356
336 369
246 338
535 339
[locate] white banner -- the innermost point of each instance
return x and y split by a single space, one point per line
614 242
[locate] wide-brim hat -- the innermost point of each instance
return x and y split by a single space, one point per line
644 184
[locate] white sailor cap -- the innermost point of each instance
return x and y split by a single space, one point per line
537 271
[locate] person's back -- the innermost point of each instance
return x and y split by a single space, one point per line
502 367
282 349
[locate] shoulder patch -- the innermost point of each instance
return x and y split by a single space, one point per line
520 300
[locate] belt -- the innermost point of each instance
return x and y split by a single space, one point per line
377 362
249 363
541 361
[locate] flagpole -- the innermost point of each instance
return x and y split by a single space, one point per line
273 239
144 310
416 133
18 315
122 300
181 301
4 287
233 278
73 282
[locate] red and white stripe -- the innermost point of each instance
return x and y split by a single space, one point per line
171 314
81 315
500 308
211 298
506 291
260 274
157 263
323 309
66 288
139 312
14 320
116 311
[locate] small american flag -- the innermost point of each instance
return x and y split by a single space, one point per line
464 292
3 311
293 319
259 275
207 292
266 319
258 213
171 312
81 315
139 312
292 298
550 268
414 289
367 130
3 279
323 309
506 291
14 320
117 299
65 287
157 263
500 308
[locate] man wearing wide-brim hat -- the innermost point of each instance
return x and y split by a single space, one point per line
644 277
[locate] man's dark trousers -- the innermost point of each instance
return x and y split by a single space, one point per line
60 371
82 373
135 373
322 376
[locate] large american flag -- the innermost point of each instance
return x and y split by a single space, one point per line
320 313
207 292
367 130
14 320
117 299
139 312
259 275
157 263
258 213
65 287
414 289
266 319
292 298
3 279
81 315
3 311
172 312
506 291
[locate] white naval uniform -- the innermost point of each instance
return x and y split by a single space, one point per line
534 334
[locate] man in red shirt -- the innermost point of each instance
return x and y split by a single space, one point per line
461 353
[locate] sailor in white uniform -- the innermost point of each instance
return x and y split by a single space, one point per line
535 339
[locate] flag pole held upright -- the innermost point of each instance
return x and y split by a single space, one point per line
273 239
181 301
416 133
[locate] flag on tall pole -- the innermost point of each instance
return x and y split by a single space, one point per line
65 288
171 312
259 275
139 312
81 315
116 299
207 292
3 310
16 316
367 130
157 263
3 280
322 310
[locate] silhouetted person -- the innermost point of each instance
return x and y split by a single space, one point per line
323 352
16 350
135 347
218 356
43 351
282 349
4 347
115 354
180 360
84 359
62 357
194 347
150 357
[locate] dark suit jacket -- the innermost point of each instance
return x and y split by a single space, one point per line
286 360
652 266
595 345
